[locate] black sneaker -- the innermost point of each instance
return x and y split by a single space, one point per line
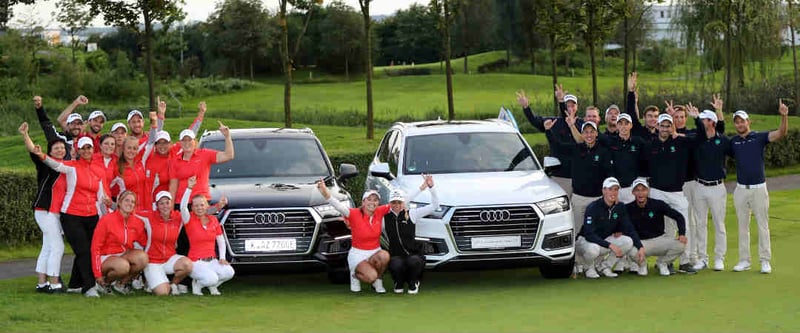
55 290
687 268
42 289
398 288
413 288
671 268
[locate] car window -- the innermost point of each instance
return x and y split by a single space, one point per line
271 157
383 150
467 152
394 151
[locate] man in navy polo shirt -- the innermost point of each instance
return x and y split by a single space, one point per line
751 191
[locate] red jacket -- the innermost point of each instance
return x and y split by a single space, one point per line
135 180
114 235
84 186
162 235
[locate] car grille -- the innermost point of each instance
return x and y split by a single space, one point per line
467 223
298 224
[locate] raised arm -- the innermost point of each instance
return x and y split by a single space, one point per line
62 118
228 154
201 112
535 120
184 206
417 213
23 130
631 107
784 128
323 189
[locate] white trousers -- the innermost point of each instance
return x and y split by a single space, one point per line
49 261
666 248
211 273
711 198
601 257
579 204
678 202
754 200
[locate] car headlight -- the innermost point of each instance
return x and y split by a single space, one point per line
437 214
327 210
553 206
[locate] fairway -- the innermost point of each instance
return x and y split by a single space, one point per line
466 301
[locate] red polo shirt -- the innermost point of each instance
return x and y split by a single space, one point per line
366 230
202 239
198 165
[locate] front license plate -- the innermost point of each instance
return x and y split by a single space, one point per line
496 242
270 245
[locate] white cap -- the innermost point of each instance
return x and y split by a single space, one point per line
134 113
742 114
610 182
85 141
185 133
568 98
95 114
73 117
708 114
162 135
663 117
370 192
612 107
163 194
397 195
118 126
639 181
588 123
625 116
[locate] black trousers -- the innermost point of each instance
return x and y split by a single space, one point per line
182 247
79 231
406 269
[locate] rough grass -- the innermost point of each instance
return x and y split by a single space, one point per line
467 301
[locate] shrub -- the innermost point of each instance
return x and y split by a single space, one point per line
17 190
407 71
493 66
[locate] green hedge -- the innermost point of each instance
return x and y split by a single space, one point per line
18 188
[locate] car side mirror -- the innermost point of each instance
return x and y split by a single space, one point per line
381 170
346 171
551 164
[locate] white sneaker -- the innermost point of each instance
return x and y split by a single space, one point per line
608 273
591 273
74 290
719 265
579 269
137 283
413 289
742 266
121 288
101 289
766 268
196 288
182 289
642 270
214 291
174 291
663 269
355 284
700 265
378 286
92 292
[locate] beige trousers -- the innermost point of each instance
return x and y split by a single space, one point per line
755 200
711 198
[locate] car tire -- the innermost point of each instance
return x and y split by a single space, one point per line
339 275
557 270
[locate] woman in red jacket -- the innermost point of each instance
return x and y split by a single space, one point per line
163 226
132 175
85 196
209 269
116 259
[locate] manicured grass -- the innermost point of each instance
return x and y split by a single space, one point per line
465 301
25 251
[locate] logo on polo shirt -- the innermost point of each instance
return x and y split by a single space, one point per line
614 216
633 148
716 142
596 158
650 214
588 220
671 149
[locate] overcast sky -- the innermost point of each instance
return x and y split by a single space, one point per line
196 10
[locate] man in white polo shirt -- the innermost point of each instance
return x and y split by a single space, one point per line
751 191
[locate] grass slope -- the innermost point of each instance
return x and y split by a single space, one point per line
471 301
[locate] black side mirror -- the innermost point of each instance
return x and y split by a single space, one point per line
347 171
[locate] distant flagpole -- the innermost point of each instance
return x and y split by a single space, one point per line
506 115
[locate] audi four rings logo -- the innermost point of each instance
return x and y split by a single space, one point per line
495 215
269 218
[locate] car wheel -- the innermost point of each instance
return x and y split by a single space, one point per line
557 270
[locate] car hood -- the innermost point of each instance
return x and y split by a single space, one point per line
495 188
260 193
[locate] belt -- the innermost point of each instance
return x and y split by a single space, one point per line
749 187
709 182
206 259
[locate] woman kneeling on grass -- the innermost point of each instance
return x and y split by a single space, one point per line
115 258
163 227
208 269
366 260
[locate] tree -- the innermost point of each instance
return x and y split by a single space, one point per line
792 17
598 20
130 14
553 21
287 56
446 13
339 38
631 32
243 33
406 37
364 4
7 13
75 18
473 27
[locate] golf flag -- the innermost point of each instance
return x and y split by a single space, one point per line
506 115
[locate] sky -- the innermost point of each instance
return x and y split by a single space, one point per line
196 10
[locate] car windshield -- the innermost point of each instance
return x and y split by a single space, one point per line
271 157
467 152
